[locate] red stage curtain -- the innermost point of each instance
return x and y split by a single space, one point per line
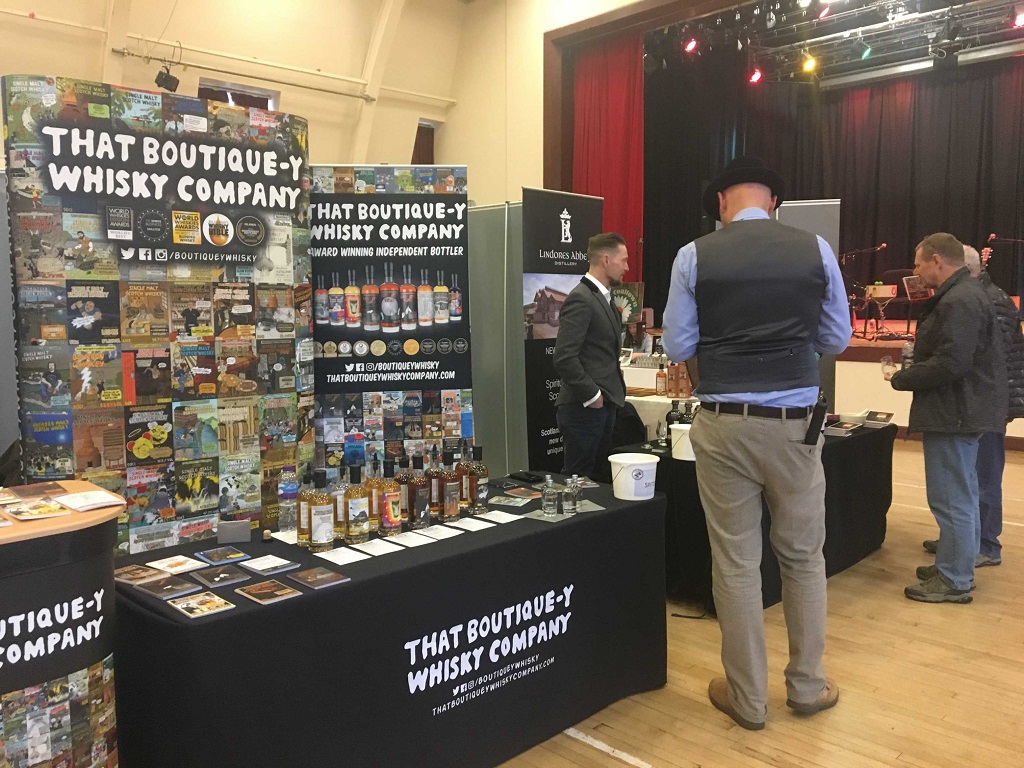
608 137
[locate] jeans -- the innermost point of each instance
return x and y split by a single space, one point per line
991 459
586 435
951 480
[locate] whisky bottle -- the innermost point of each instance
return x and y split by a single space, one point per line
419 495
357 509
674 416
685 385
371 295
390 504
407 293
305 519
425 300
455 301
661 381
440 300
433 474
321 511
449 489
463 470
321 305
336 308
549 497
353 302
390 307
337 491
402 477
572 496
480 480
372 485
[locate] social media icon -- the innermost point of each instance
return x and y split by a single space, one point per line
349 368
127 253
145 254
161 254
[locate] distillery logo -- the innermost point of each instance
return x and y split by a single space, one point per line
250 231
566 218
218 229
153 226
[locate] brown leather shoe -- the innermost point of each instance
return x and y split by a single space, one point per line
827 699
718 692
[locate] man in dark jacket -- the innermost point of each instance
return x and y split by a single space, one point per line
991 446
959 383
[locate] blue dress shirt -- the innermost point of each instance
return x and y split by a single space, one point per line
681 332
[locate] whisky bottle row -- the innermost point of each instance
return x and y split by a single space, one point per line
388 307
387 501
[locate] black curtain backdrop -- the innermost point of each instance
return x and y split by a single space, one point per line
941 151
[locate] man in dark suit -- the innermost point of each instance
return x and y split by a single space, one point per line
587 358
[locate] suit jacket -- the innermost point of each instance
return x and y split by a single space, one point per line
587 348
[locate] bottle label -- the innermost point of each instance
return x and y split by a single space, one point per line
353 309
390 510
482 491
304 515
435 490
322 310
358 515
426 306
422 511
370 309
322 523
451 499
441 307
403 491
466 490
455 304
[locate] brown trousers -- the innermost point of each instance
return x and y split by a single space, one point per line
739 459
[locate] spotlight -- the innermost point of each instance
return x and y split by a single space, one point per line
866 52
165 80
1018 16
803 3
691 45
755 76
823 14
809 63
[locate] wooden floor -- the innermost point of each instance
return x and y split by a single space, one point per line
921 685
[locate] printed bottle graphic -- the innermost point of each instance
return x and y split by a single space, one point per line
440 300
425 299
353 302
370 293
321 304
408 296
455 301
390 307
336 303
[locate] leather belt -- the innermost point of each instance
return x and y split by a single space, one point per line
761 411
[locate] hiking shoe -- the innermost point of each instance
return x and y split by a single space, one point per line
925 572
827 699
718 692
983 561
936 590
931 546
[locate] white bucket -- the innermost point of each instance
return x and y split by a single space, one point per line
681 448
633 475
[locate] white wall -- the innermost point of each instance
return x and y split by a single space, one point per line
255 42
496 126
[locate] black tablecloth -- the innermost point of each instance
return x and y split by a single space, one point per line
323 679
858 492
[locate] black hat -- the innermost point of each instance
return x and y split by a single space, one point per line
742 170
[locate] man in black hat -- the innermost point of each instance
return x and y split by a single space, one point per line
769 297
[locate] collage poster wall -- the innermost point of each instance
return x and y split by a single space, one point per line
162 279
556 228
389 248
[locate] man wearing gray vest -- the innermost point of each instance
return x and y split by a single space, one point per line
768 297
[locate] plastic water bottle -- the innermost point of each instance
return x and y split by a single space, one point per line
907 355
549 498
287 504
571 497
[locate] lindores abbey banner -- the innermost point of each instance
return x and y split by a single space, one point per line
556 228
162 277
389 249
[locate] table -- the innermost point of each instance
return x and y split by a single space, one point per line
57 635
858 492
324 678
